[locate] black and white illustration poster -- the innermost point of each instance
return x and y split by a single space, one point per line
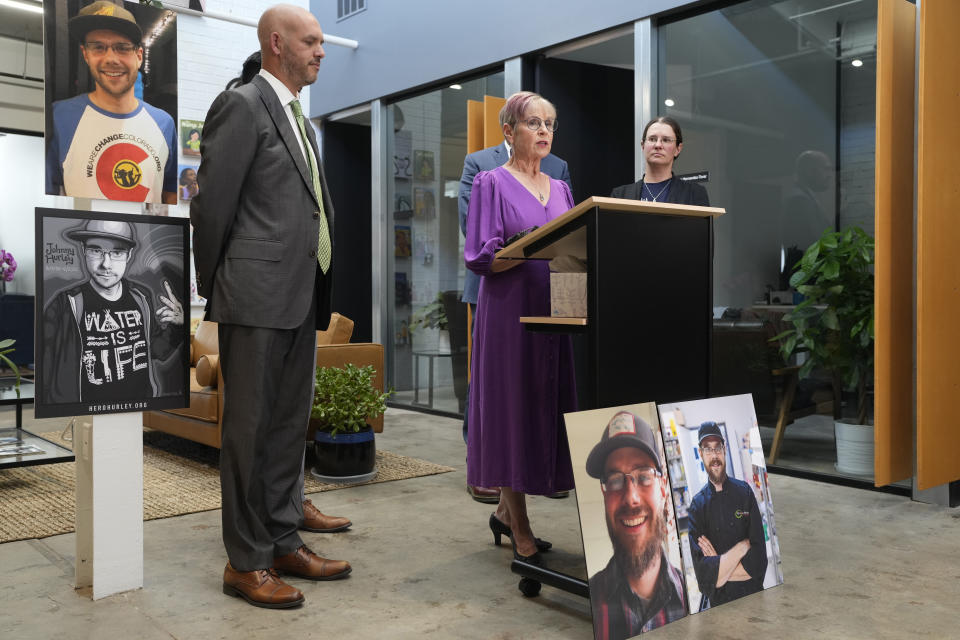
112 301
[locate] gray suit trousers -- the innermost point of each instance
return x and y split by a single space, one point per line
268 391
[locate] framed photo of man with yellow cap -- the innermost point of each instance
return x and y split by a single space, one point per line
112 332
111 101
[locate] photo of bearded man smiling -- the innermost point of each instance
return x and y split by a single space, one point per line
639 589
726 534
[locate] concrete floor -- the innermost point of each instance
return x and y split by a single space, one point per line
856 564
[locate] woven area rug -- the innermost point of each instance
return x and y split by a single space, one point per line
179 476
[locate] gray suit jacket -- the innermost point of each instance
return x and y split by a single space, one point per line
487 160
256 218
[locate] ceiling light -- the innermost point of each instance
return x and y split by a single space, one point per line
456 86
669 102
857 63
24 6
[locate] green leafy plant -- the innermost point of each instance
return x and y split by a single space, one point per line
430 315
6 346
345 398
834 322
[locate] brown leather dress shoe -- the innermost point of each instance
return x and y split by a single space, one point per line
317 522
483 494
261 588
306 564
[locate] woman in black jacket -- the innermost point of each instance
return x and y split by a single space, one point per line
662 142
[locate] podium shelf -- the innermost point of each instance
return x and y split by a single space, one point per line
580 322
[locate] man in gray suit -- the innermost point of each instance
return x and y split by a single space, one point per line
487 160
263 224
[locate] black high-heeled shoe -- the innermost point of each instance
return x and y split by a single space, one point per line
535 558
500 529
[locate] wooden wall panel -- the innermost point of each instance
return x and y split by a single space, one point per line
938 231
474 125
492 133
893 406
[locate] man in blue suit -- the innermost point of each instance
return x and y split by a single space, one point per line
487 160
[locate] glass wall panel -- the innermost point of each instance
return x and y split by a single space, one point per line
777 103
427 349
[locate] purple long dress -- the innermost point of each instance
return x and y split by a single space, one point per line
521 383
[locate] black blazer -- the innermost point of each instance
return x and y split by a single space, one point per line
680 193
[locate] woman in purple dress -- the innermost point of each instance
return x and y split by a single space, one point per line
521 382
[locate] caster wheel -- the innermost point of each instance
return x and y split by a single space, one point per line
529 588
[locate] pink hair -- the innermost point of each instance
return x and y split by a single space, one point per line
512 111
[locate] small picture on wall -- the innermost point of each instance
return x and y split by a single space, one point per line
424 203
423 165
188 182
111 296
402 292
402 243
401 208
403 332
191 132
403 143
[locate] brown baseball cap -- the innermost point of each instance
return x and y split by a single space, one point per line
625 429
103 14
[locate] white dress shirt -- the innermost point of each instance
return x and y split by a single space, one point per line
286 97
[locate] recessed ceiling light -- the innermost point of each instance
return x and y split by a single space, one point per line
456 86
669 102
857 63
24 6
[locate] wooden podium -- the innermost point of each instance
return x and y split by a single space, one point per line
649 296
649 310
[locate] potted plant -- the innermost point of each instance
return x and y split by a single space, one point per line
833 325
344 398
433 315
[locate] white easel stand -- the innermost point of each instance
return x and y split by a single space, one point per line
110 503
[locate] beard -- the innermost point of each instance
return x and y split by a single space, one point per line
300 73
634 562
717 474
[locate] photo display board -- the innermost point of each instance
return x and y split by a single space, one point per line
112 330
659 510
743 510
111 101
626 526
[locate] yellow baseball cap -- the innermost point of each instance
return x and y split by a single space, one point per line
103 14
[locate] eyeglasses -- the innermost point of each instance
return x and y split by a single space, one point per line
713 450
534 124
642 477
119 48
664 140
96 253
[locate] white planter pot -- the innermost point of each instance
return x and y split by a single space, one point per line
854 448
443 341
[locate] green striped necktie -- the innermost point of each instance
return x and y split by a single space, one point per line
323 242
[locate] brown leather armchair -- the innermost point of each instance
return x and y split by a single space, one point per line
202 421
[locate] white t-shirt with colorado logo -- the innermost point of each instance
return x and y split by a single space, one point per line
97 154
